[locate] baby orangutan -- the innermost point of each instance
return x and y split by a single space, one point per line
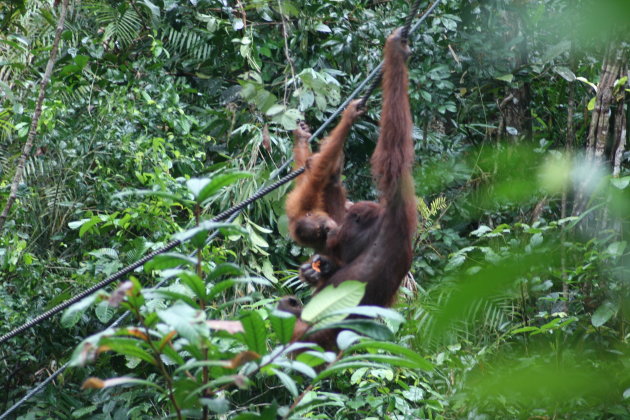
317 203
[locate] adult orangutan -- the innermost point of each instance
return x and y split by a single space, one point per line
373 242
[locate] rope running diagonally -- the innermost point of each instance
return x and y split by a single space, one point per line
66 365
232 212
376 72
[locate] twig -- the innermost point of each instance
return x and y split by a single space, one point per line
286 50
19 170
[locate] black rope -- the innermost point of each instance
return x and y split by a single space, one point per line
374 74
66 365
116 276
34 391
49 313
231 213
406 31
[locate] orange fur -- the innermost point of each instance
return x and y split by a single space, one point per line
373 243
317 202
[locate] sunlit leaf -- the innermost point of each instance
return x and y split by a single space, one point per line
396 349
188 322
286 380
565 73
506 78
603 314
73 314
331 299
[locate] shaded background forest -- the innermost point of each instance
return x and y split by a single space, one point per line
519 297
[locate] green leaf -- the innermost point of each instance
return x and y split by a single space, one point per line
303 368
306 98
164 292
616 249
524 330
414 394
257 240
216 405
556 50
194 283
88 225
219 181
282 324
603 314
205 227
224 269
346 338
220 287
255 332
127 347
169 260
591 104
367 327
387 359
161 194
372 312
315 358
195 185
72 315
188 322
78 223
275 110
321 27
288 8
506 78
620 183
288 119
565 73
286 380
397 349
104 312
332 299
108 383
585 80
356 364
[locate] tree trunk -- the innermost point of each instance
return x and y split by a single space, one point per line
603 129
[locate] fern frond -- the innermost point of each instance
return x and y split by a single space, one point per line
121 27
438 205
77 95
189 43
429 211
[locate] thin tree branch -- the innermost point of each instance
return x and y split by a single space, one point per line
30 140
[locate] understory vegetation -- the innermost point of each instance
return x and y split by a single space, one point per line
158 115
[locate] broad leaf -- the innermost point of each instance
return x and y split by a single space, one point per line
255 334
603 314
396 349
169 260
332 299
72 315
282 324
188 322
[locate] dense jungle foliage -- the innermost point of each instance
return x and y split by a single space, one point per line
159 114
